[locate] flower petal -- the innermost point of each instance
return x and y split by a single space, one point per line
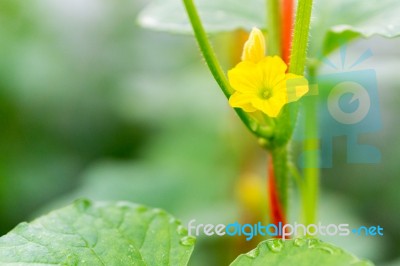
274 70
274 64
254 48
240 100
246 77
279 92
276 103
271 107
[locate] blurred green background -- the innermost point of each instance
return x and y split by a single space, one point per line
91 105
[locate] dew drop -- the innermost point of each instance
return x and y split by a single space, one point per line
275 245
299 242
141 208
327 249
181 230
312 243
253 253
172 220
159 211
187 240
83 204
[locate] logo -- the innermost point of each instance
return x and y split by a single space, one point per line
348 106
285 231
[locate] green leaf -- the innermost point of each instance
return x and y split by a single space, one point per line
217 16
299 252
334 22
87 233
337 22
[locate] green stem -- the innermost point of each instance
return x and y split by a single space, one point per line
206 49
300 38
311 147
305 209
280 165
214 65
297 176
309 189
274 27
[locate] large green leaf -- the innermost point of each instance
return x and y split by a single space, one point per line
299 252
334 22
87 233
226 15
337 22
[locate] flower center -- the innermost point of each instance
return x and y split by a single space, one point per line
265 93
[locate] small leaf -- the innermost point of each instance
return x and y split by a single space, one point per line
299 252
217 16
87 233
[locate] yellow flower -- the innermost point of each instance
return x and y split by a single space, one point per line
260 82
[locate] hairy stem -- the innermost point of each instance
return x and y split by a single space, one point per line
206 48
300 38
311 160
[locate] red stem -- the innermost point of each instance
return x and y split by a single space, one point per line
276 212
287 28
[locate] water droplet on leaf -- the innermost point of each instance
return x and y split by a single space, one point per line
83 204
172 220
326 249
159 211
313 242
141 208
253 253
275 245
187 240
181 230
298 242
